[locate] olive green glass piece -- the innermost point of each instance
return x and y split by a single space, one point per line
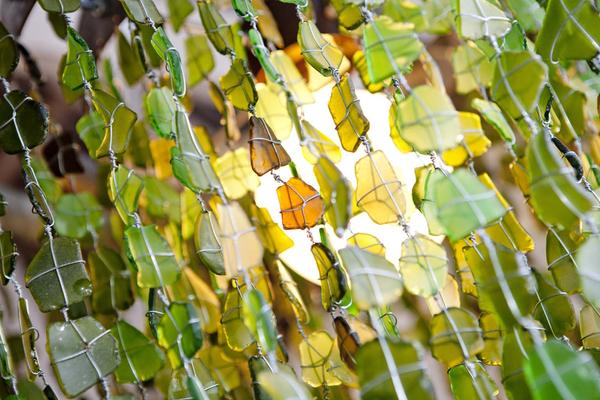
56 276
129 59
471 383
208 243
218 31
90 128
118 122
80 65
142 11
154 260
238 86
59 6
124 189
10 52
81 352
23 122
111 281
199 59
8 256
334 283
179 10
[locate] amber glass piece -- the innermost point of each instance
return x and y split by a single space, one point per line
301 205
266 152
350 122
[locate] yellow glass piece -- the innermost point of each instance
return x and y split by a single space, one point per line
492 339
237 335
455 336
449 294
423 266
205 142
272 107
321 362
266 152
519 174
508 231
316 80
293 79
360 63
367 242
378 190
473 144
190 210
242 248
222 366
315 144
238 85
463 271
290 289
235 173
161 155
206 301
271 235
301 205
589 327
350 122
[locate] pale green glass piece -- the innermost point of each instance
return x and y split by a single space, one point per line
588 268
238 335
154 260
142 11
191 165
140 358
465 204
529 13
238 86
375 281
124 189
427 120
492 114
423 266
322 55
77 214
179 333
555 371
80 65
259 318
283 386
518 81
479 19
556 197
56 276
118 121
321 362
165 49
472 69
160 111
23 122
199 59
390 48
81 352
161 200
203 386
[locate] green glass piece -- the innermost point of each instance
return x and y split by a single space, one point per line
261 52
77 214
129 60
337 193
465 204
80 65
238 86
179 333
426 120
170 56
142 11
528 12
154 260
111 281
179 10
555 371
191 165
556 197
81 352
218 31
505 284
375 280
56 275
570 105
471 382
472 69
334 283
199 60
322 55
141 359
492 114
208 244
514 94
390 48
283 385
478 19
118 121
405 11
561 247
8 256
23 122
259 318
567 22
423 266
90 128
199 386
375 373
244 9
124 188
428 205
145 47
138 150
553 308
516 348
455 336
162 200
586 261
10 52
59 6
